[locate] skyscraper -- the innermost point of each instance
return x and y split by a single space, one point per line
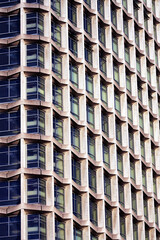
79 119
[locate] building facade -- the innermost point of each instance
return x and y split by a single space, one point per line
79 119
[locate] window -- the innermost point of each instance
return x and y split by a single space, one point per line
147 47
59 230
77 208
101 33
146 18
57 96
116 72
129 111
135 231
100 6
59 198
92 179
9 123
9 58
72 13
10 157
118 132
73 74
105 126
91 146
108 218
134 201
75 138
139 91
114 16
117 102
145 205
151 128
137 37
121 193
58 163
57 64
73 44
35 23
93 237
127 55
142 145
76 171
89 84
10 192
36 88
9 25
124 2
115 44
141 119
77 234
154 185
90 115
107 187
10 227
156 56
87 24
150 100
104 97
88 54
36 190
93 212
102 64
9 90
106 158
58 129
132 170
74 101
131 140
56 6
155 30
88 2
37 226
8 3
35 55
36 155
153 155
56 32
36 121
125 27
120 163
136 8
36 1
144 181
122 226
156 213
138 64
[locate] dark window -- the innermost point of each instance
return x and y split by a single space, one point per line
36 88
56 6
35 55
118 132
89 84
75 138
37 227
120 163
74 101
93 212
108 218
101 34
35 121
35 23
9 25
102 64
36 1
76 171
9 58
125 27
58 129
122 226
88 54
114 16
116 72
93 237
88 2
35 155
115 44
59 230
92 179
90 115
59 198
36 190
77 234
106 158
91 146
58 163
56 32
121 193
107 187
10 157
8 3
104 94
10 192
131 140
73 74
87 24
9 90
134 201
73 44
57 96
77 208
57 64
100 6
72 13
105 127
9 123
10 227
